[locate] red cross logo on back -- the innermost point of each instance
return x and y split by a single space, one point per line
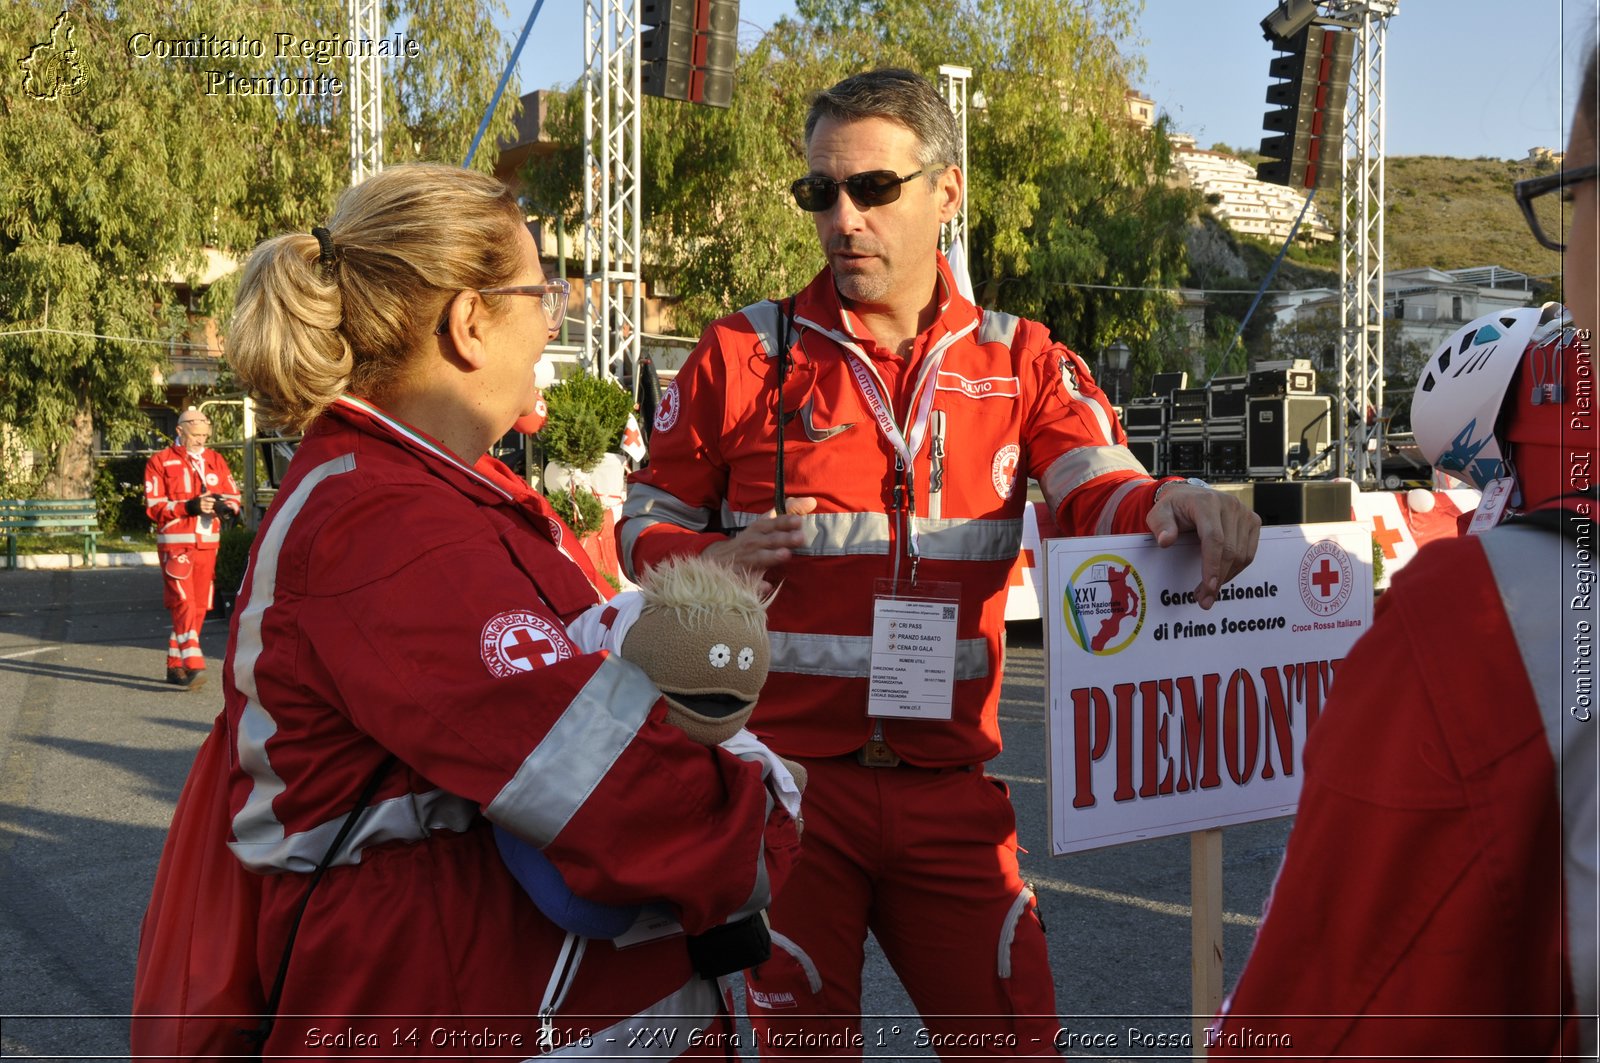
516 642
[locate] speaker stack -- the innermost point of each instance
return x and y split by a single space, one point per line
1226 409
1145 420
1264 425
1186 433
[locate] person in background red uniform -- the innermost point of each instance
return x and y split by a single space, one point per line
910 421
188 489
1438 897
403 624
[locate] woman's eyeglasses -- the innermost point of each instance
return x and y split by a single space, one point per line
871 189
552 300
1529 192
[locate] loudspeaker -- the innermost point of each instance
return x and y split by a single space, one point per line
1227 397
1148 450
1186 457
1281 432
1225 457
1302 501
1189 404
1143 413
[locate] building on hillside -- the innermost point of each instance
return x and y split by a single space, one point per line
1244 204
1428 304
1141 108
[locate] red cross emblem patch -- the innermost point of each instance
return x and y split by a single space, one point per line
1327 578
516 642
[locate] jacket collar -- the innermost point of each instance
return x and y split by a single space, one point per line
819 301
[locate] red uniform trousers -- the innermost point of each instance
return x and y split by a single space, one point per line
188 599
927 860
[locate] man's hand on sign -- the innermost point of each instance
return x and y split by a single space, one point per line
1228 532
770 541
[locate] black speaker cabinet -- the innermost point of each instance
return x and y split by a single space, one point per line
1227 397
1225 457
1189 404
1144 414
1302 501
1148 450
1186 457
1281 432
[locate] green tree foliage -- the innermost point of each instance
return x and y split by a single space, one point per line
119 163
1065 191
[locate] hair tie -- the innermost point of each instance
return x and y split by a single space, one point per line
325 241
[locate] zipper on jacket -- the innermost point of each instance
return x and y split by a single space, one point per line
936 464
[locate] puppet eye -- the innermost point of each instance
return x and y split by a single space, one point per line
747 657
720 655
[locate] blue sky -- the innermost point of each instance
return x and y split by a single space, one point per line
1465 77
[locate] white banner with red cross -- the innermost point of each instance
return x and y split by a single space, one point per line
1165 718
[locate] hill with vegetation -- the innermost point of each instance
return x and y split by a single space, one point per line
1458 213
1443 212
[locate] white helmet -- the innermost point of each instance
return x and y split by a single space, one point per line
1458 401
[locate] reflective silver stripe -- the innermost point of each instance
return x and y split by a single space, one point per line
256 826
646 505
576 754
1008 933
1080 465
761 893
1548 639
970 540
764 317
850 656
408 817
807 965
1108 512
1101 415
692 1008
830 534
175 538
997 327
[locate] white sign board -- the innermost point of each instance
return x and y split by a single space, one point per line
1166 718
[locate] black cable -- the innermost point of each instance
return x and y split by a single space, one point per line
779 503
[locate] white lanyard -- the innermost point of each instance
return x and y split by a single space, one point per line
873 388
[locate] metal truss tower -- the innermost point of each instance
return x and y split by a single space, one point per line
613 309
953 83
366 91
1361 269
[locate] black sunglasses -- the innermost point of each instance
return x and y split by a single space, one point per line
871 189
1534 187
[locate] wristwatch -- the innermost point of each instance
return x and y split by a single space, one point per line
1192 481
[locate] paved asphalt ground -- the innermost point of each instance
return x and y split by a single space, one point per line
94 748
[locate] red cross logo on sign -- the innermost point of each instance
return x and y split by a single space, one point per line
516 642
1326 578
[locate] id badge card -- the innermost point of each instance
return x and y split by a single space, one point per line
913 650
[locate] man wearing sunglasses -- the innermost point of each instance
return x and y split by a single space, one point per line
864 444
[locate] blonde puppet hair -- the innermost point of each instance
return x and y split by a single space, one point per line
698 592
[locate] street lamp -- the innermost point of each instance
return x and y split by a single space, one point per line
1115 358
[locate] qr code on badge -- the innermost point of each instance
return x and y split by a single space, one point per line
949 612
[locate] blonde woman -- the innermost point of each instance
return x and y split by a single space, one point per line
407 596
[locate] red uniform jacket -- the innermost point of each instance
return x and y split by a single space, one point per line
171 478
1423 905
984 401
399 601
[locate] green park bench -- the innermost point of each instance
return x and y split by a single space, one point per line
49 516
